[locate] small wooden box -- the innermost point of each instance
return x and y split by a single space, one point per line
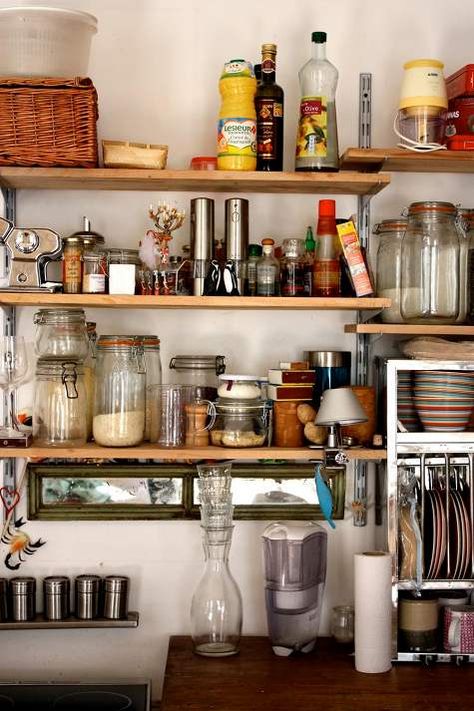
124 154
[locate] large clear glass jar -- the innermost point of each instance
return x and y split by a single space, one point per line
151 354
292 268
431 264
240 423
61 334
466 221
89 375
119 409
201 371
389 266
59 413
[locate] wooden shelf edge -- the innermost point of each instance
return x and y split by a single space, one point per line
92 451
343 182
373 160
193 302
407 329
72 623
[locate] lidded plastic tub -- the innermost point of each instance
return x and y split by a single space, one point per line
45 41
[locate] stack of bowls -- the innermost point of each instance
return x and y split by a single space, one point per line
444 399
407 413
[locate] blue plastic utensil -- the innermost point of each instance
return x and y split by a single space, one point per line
324 496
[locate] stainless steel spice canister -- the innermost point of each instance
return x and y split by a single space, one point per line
116 589
3 599
57 593
23 598
87 596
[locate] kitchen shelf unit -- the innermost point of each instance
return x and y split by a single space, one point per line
400 445
72 623
396 160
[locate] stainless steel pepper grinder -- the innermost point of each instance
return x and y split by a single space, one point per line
202 240
237 236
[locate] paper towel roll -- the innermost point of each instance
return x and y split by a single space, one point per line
373 612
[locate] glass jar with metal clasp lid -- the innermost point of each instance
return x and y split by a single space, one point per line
201 371
61 334
240 423
119 408
389 266
432 264
60 405
152 358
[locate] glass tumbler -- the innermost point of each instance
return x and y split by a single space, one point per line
168 415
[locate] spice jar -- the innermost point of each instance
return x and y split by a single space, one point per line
87 596
123 266
201 371
389 266
151 354
57 593
94 273
23 599
73 248
288 431
116 589
240 423
60 405
239 387
119 409
431 265
292 268
61 334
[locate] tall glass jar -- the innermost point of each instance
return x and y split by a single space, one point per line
389 266
292 268
59 413
89 375
216 607
119 410
151 353
466 220
61 334
201 371
431 264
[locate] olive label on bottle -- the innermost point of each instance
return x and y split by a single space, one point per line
267 111
311 140
236 136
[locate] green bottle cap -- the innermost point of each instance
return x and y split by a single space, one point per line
255 250
319 37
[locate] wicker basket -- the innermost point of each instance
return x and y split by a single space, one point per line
48 122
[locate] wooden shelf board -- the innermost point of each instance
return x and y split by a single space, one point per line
150 451
191 302
407 329
71 623
373 160
341 183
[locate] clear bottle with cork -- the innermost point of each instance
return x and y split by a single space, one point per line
269 103
268 270
316 141
327 267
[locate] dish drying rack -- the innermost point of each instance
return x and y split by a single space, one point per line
435 470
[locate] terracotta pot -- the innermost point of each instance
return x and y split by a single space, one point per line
365 431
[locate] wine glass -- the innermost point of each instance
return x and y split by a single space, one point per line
14 370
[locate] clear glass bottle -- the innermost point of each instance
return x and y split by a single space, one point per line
292 268
268 270
327 266
61 334
389 266
431 263
316 141
119 409
153 370
216 607
254 254
59 413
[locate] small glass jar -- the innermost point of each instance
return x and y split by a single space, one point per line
119 409
201 371
292 268
94 273
240 423
123 268
342 624
239 387
61 334
389 266
431 265
151 354
59 414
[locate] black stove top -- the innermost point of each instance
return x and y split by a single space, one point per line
37 696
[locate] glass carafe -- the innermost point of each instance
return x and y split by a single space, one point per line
431 263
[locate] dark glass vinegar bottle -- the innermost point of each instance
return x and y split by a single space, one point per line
269 107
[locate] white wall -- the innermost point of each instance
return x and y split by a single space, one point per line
155 64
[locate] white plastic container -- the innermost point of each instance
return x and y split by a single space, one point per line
45 41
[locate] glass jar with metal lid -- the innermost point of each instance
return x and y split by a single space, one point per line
60 405
61 334
240 423
389 265
74 247
201 371
94 277
119 409
431 264
151 354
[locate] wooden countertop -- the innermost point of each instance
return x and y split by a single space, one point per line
325 680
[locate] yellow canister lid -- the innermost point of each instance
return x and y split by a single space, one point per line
423 63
